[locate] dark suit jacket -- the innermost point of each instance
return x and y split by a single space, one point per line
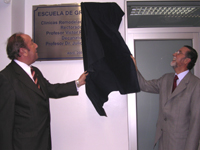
24 109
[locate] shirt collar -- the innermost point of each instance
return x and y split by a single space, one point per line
24 66
182 74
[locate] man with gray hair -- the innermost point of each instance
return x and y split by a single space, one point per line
178 125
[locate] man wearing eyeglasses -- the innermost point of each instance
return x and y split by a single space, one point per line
178 125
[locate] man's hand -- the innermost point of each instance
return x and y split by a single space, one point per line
134 62
81 80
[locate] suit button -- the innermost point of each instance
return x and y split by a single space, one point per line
165 119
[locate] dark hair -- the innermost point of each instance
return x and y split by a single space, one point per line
193 55
14 43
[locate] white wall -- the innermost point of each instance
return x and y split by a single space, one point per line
5 30
74 121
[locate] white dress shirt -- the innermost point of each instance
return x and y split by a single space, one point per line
25 67
181 76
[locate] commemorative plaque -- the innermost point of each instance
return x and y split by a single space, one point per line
57 31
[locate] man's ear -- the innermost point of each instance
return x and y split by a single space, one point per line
187 60
23 52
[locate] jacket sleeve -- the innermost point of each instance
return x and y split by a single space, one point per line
7 102
62 90
58 90
151 86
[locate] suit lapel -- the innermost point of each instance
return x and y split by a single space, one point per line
169 87
42 85
182 85
25 79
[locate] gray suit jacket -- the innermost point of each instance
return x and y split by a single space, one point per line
178 125
24 109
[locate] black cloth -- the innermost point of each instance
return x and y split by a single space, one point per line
105 54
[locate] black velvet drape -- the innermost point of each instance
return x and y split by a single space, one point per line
105 54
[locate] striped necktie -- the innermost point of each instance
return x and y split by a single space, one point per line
35 78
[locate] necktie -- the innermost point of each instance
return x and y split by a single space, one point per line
174 83
35 78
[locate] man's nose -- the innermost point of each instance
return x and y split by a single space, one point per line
175 53
36 46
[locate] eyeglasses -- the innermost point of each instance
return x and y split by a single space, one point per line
178 52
